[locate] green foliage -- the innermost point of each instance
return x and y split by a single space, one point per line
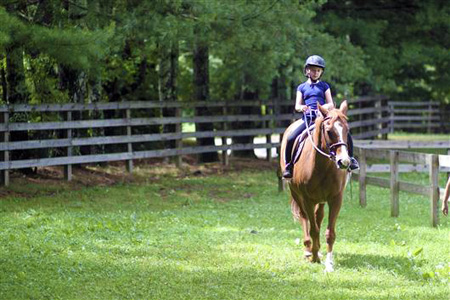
216 237
43 88
47 48
405 44
398 48
72 47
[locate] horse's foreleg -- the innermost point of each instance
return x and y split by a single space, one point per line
334 207
300 215
319 214
314 233
306 237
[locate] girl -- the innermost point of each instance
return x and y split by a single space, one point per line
308 94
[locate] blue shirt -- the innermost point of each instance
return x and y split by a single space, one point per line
313 93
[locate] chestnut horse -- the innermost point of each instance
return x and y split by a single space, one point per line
320 176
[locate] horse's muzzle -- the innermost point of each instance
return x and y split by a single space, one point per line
343 163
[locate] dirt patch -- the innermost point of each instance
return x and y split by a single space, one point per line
49 180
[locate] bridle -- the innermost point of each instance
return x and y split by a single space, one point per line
330 148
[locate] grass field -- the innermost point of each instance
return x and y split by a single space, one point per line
228 235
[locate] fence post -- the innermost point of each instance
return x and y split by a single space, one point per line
5 139
378 115
268 136
360 116
384 136
129 163
276 117
430 116
362 177
394 183
391 118
225 159
69 150
179 141
433 164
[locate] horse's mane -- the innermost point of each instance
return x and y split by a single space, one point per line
334 115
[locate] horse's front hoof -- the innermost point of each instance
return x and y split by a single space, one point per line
308 255
314 259
329 268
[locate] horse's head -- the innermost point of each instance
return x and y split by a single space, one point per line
334 131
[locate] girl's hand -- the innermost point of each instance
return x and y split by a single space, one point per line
302 108
445 208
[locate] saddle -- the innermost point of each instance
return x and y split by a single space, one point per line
299 143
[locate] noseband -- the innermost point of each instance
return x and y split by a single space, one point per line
330 148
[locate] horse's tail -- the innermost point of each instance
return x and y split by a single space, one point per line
295 209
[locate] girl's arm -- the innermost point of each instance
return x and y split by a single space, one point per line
299 106
329 104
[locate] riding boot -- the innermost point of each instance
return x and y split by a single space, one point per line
288 170
354 165
287 173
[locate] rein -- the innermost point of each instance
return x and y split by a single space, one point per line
332 155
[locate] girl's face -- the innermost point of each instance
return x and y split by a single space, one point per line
314 72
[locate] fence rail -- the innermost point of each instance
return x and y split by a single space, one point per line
431 163
426 116
68 134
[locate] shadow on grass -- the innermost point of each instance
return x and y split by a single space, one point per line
144 276
396 265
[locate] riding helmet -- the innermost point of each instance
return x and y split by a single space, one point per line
314 60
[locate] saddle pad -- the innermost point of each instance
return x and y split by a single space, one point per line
300 142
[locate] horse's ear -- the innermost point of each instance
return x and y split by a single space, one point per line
344 107
322 109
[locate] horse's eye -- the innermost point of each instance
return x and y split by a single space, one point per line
331 134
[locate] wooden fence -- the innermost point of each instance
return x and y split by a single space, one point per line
369 117
429 162
59 134
131 124
419 116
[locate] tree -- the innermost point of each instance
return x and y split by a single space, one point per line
405 45
201 91
35 28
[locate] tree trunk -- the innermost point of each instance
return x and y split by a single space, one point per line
75 81
282 95
4 84
15 75
201 92
16 90
246 110
168 69
16 93
94 96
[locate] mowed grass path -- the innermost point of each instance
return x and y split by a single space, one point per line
228 236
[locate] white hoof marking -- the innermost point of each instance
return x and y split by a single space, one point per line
329 264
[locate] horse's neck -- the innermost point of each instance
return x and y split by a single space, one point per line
309 157
313 157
